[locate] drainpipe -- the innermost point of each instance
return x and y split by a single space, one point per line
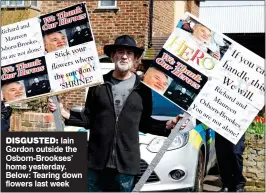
150 24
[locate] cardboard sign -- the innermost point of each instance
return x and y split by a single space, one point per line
48 55
210 76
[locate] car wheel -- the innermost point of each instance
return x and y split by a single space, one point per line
198 187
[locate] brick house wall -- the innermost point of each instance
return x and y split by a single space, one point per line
166 16
30 121
192 7
163 17
131 17
74 98
165 12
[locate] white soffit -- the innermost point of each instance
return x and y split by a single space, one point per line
234 18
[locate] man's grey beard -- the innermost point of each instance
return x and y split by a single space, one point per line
124 68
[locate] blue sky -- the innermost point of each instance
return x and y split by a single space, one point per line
222 3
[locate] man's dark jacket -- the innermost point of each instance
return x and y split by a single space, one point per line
108 131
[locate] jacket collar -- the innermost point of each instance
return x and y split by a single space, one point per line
107 79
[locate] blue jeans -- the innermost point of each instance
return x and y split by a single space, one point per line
109 180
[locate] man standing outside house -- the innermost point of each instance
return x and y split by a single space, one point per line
182 98
115 112
80 36
38 87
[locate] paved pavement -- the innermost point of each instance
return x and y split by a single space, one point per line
212 183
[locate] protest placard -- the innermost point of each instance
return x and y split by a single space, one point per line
48 55
212 77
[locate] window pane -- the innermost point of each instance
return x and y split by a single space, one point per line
17 2
3 3
34 3
110 3
20 2
12 3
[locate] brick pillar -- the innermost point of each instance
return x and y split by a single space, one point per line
30 121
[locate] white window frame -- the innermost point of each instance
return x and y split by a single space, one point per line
24 4
8 4
36 7
106 7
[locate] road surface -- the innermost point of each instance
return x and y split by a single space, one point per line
212 183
